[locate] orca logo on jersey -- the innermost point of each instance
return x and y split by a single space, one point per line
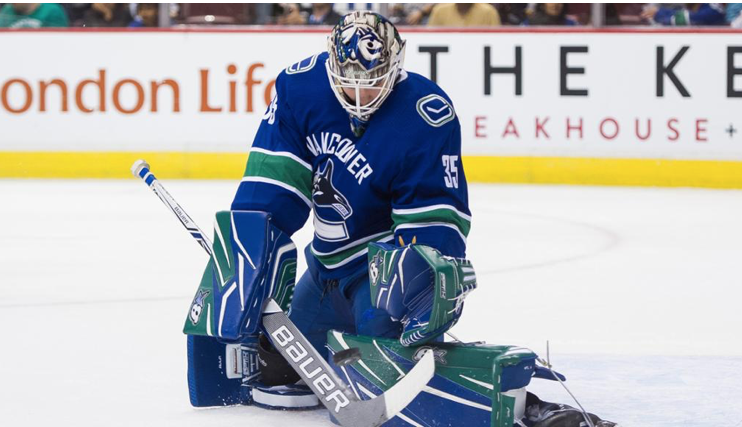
325 194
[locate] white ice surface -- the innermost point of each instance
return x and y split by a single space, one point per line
637 290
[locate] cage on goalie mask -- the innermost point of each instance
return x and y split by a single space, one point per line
366 52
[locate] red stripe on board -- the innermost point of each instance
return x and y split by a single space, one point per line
402 29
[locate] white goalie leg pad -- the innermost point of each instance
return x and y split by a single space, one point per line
519 394
285 397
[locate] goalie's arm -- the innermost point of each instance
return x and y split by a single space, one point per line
421 283
278 175
430 203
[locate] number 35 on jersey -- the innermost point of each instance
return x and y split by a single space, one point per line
451 178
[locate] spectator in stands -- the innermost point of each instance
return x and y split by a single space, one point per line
322 14
690 14
549 14
416 13
628 14
397 13
611 15
75 12
578 13
734 14
464 15
512 13
107 15
32 15
219 13
147 15
291 14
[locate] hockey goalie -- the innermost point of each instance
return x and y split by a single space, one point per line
375 152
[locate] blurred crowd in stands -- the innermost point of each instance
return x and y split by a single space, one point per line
37 15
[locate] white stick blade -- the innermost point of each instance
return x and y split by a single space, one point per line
404 392
272 307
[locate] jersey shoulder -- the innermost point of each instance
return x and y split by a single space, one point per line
304 79
304 90
424 105
420 116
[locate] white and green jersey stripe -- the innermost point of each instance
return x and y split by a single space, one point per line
347 253
281 169
439 215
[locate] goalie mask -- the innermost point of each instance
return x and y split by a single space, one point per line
366 55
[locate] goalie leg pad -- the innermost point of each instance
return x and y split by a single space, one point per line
252 260
213 380
474 384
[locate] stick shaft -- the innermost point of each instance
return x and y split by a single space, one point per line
141 169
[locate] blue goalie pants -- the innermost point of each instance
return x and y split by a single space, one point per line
321 304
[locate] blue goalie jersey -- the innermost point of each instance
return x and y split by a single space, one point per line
402 181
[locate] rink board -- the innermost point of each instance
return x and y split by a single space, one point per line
533 170
570 106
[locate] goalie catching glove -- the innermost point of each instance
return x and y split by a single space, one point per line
419 287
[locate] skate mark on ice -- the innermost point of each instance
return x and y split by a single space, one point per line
610 241
92 302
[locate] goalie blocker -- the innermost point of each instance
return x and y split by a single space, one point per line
420 287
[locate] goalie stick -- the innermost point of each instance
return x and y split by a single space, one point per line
141 169
347 409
